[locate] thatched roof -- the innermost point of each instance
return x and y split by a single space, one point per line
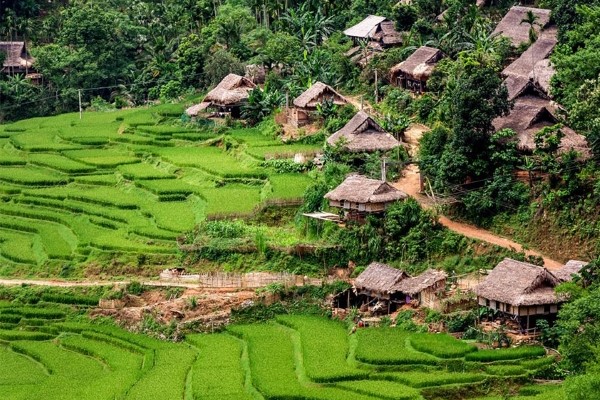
520 284
316 94
365 29
388 34
572 267
362 133
232 90
16 55
360 189
381 278
419 64
421 282
518 32
541 75
518 73
197 108
531 114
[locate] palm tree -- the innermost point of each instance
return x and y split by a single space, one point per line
531 20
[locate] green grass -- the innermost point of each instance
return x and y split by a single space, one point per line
231 199
217 372
441 345
32 177
288 186
102 158
212 160
143 171
41 356
325 348
382 389
60 163
395 352
514 353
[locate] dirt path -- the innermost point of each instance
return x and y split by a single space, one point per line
409 184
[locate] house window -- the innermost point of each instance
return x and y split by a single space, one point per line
547 309
487 302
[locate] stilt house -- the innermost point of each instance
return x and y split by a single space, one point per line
523 291
363 134
226 98
17 59
371 36
425 289
359 196
413 73
517 31
305 105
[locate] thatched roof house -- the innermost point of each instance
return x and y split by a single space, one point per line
522 289
521 73
572 267
16 58
427 279
363 134
306 103
540 77
376 29
227 96
359 195
531 114
414 72
426 288
518 32
379 280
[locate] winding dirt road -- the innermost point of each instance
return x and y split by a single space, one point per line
409 184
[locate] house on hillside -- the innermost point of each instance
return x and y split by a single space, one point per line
305 105
380 282
383 288
226 98
520 75
512 27
371 36
530 115
426 289
363 134
359 196
523 291
413 73
17 60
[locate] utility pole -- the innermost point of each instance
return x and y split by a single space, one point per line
376 93
80 109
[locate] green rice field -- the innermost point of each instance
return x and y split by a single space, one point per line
127 181
42 355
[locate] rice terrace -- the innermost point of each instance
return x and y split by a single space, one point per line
299 200
118 182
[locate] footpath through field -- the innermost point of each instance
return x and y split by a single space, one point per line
409 184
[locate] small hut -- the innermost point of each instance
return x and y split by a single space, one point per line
359 195
305 105
513 27
226 98
571 268
376 288
523 291
363 134
413 73
371 36
530 115
521 73
426 289
17 59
